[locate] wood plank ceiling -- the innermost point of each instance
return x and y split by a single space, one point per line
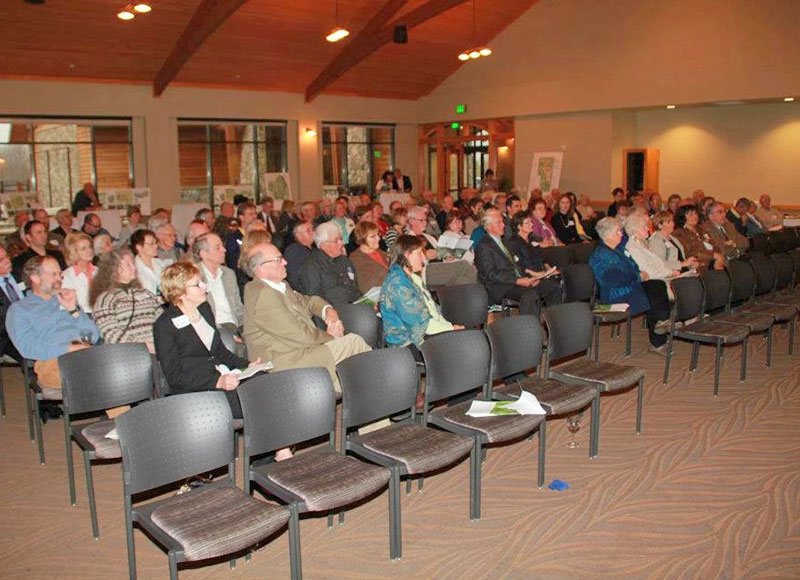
274 45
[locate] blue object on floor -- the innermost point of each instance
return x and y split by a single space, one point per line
558 485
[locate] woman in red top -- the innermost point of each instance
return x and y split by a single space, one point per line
371 263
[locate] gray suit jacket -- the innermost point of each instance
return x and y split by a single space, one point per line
231 292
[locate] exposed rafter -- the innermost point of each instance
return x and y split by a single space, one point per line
207 18
372 37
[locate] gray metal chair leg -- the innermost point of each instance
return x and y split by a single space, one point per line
716 368
791 335
173 566
28 404
639 396
129 539
87 467
594 431
295 561
38 424
628 336
475 482
70 467
669 359
769 347
743 371
596 344
2 394
408 485
395 530
542 451
695 356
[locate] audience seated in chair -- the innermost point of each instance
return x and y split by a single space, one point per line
621 282
407 308
298 251
328 272
370 262
148 267
123 310
722 234
695 243
278 325
35 238
223 295
502 277
48 322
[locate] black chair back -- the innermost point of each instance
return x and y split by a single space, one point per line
287 407
765 273
581 252
558 256
781 241
784 270
377 384
579 283
105 376
455 363
689 297
760 243
171 439
569 329
743 281
516 343
361 319
718 290
795 255
466 304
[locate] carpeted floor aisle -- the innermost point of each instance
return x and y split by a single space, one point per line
708 490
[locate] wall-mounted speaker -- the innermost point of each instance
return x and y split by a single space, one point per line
400 34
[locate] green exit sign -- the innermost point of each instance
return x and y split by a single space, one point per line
376 154
455 126
461 109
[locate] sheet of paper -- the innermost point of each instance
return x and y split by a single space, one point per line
527 404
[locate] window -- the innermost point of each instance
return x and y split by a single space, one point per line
355 156
57 156
219 160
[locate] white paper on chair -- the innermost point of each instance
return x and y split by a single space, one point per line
527 404
246 373
371 297
112 434
621 307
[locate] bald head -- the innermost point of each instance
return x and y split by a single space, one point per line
264 261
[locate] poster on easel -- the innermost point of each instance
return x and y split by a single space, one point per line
229 192
14 201
278 186
124 198
546 170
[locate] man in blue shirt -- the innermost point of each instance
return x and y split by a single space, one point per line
10 292
48 322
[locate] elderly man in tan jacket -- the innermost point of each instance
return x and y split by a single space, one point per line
278 325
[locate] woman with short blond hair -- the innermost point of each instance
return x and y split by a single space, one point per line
80 270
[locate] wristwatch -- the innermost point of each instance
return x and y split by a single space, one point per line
75 310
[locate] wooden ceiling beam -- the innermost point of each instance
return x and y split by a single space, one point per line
207 18
372 37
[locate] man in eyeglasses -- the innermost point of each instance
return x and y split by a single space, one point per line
278 325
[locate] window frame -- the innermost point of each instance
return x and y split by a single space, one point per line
371 178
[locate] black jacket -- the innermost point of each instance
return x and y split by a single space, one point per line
332 279
187 364
528 257
565 228
495 271
18 263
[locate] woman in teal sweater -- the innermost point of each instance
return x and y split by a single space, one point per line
407 308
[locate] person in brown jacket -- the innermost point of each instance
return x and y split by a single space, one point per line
722 234
371 263
693 241
278 325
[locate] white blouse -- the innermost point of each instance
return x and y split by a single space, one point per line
150 279
80 283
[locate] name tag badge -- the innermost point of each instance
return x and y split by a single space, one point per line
351 275
181 321
516 258
708 246
570 223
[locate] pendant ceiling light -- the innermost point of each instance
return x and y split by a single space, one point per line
337 33
478 51
132 9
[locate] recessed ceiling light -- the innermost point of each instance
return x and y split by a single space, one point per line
337 34
788 99
142 8
670 106
126 15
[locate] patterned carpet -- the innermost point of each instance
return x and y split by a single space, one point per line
708 490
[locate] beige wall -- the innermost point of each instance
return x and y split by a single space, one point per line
585 139
578 55
155 121
729 152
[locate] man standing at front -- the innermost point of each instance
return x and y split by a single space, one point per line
277 320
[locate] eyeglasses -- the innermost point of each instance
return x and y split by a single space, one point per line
198 284
278 259
151 243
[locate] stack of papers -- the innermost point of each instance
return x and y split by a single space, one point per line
372 296
622 307
246 373
527 404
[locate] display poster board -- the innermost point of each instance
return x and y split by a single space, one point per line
229 192
546 170
15 201
124 198
278 186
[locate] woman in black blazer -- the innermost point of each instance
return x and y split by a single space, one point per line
188 345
